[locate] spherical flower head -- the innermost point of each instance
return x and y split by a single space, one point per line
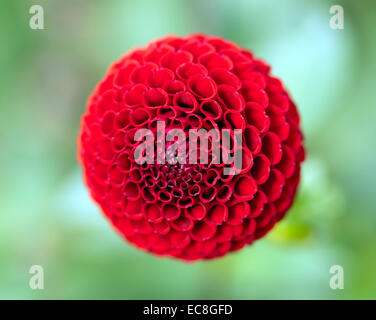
192 210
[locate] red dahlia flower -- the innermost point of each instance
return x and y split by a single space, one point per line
191 211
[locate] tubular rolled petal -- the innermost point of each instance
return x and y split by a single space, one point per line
185 102
223 76
230 98
196 212
155 97
244 187
272 147
202 86
217 214
211 109
152 212
171 211
139 117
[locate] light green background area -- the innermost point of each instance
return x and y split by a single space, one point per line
47 218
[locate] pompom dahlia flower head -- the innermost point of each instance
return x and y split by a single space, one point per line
191 211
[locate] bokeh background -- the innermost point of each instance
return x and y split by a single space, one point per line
47 218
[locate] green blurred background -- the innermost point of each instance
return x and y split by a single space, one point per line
47 218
